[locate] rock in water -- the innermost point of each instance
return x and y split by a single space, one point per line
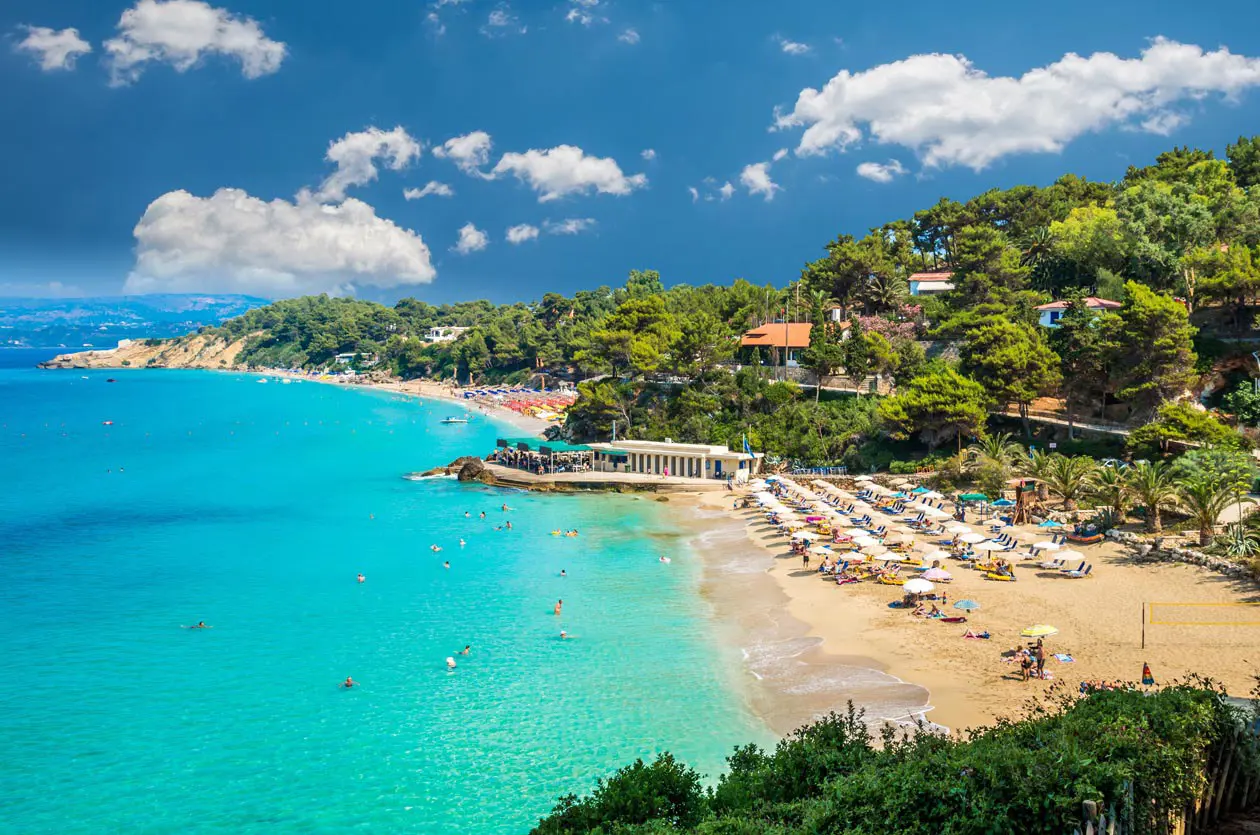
471 470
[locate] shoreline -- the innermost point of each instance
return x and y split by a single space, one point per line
807 641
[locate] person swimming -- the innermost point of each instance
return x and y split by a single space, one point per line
559 604
349 682
446 564
461 542
434 548
505 508
450 665
483 515
563 635
509 526
361 578
467 649
562 573
467 515
664 558
201 624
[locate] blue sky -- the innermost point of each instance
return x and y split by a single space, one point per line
182 96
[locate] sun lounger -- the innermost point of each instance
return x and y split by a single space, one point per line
1076 570
1079 575
1051 565
1004 578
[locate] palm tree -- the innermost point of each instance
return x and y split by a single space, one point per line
1112 486
1035 466
1205 498
1070 477
884 292
991 461
1153 487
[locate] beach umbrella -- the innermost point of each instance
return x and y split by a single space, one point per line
972 538
967 605
874 550
820 550
1046 546
918 586
804 535
862 478
1071 555
920 490
937 513
1050 523
1040 630
988 545
932 494
958 528
939 575
1004 503
938 554
862 541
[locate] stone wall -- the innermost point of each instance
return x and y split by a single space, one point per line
1161 550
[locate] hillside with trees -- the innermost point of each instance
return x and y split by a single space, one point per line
1176 244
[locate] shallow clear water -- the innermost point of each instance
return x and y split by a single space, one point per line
252 507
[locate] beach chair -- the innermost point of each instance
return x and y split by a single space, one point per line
1051 565
1079 575
1080 568
1004 578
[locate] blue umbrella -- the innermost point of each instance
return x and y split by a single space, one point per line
1004 503
967 605
1050 523
920 489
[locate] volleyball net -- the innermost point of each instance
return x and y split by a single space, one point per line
1208 623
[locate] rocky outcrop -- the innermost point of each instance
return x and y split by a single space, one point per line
471 469
195 351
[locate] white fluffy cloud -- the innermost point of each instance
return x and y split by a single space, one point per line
181 32
566 169
469 152
648 154
881 172
694 192
569 226
756 178
727 190
54 49
951 113
630 36
471 239
232 242
521 233
791 47
502 22
779 154
355 156
583 12
433 187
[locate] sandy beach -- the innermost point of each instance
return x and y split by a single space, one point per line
810 645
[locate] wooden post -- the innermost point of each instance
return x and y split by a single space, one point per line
1143 626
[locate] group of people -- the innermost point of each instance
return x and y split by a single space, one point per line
1032 661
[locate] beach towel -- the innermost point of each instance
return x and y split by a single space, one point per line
1064 657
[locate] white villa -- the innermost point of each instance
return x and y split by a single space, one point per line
1051 313
444 334
931 283
681 460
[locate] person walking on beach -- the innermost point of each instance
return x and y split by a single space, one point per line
805 558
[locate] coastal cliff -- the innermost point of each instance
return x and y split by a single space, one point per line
194 351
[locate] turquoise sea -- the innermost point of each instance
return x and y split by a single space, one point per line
253 507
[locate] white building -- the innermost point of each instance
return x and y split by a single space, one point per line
444 334
929 284
681 460
1051 313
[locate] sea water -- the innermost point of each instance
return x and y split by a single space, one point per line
133 508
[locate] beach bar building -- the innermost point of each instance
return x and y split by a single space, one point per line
666 458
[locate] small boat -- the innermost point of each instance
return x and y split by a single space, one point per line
107 423
454 420
261 380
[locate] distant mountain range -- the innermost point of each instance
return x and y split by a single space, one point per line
100 322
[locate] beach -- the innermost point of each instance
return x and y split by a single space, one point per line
810 645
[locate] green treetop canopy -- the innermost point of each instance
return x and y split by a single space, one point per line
535 443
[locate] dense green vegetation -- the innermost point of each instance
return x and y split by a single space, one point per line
1176 242
1028 776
